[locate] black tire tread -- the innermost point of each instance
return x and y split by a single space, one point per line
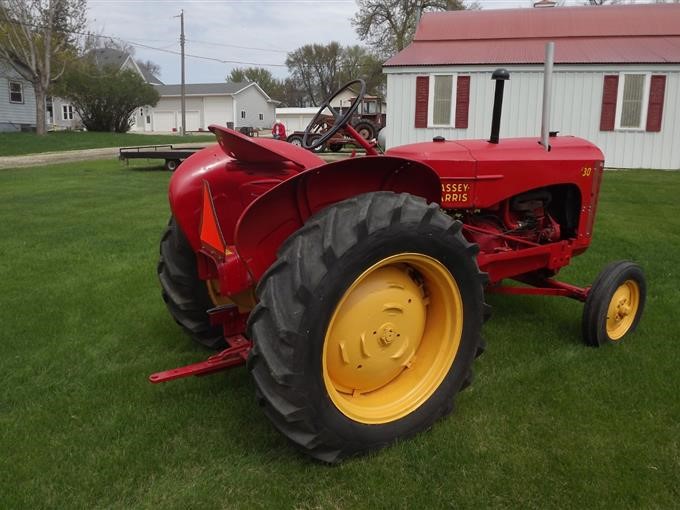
596 304
323 239
183 292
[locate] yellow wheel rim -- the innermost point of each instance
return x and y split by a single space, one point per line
392 338
623 308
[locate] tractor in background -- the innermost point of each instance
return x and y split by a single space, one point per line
367 119
355 291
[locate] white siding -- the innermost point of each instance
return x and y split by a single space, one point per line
253 103
577 101
14 115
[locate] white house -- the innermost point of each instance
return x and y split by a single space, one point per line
62 115
17 101
616 78
227 103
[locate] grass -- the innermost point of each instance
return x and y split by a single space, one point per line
548 422
16 144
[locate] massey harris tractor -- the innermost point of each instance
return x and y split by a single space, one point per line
354 291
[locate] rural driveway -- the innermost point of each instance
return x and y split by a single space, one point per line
53 158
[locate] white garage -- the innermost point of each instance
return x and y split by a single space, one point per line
164 121
229 104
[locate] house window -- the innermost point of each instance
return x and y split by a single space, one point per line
261 116
243 114
442 94
631 103
67 112
16 92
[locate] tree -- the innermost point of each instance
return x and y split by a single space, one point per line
318 70
36 39
105 98
263 77
316 67
358 62
388 25
149 66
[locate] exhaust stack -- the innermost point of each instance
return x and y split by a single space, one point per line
500 75
547 94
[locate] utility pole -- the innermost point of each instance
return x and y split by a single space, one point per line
183 129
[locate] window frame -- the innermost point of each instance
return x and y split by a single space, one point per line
260 116
644 106
67 108
21 91
431 101
243 114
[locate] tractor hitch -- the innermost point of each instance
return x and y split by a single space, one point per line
233 323
235 355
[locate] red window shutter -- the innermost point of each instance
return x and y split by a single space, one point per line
657 89
462 101
422 93
609 94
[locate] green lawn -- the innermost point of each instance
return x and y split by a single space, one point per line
548 422
15 144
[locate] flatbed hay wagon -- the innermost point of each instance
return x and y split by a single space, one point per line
172 155
355 290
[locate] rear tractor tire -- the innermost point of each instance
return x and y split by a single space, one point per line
614 304
367 325
366 129
187 297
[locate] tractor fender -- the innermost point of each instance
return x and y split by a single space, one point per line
270 219
238 169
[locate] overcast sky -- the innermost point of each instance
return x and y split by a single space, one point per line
252 32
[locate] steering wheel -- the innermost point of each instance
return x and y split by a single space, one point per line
341 120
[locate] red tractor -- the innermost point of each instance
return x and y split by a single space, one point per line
355 290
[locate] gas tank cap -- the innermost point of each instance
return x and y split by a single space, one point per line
438 139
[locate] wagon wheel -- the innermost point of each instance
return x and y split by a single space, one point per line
614 304
367 326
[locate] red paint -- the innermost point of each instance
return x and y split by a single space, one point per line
235 355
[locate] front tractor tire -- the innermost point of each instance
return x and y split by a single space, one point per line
367 325
614 304
186 296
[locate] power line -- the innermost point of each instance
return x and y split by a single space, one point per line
235 46
146 46
202 57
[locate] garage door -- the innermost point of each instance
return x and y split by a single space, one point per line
164 121
193 121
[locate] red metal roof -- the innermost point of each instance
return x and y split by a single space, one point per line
621 34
